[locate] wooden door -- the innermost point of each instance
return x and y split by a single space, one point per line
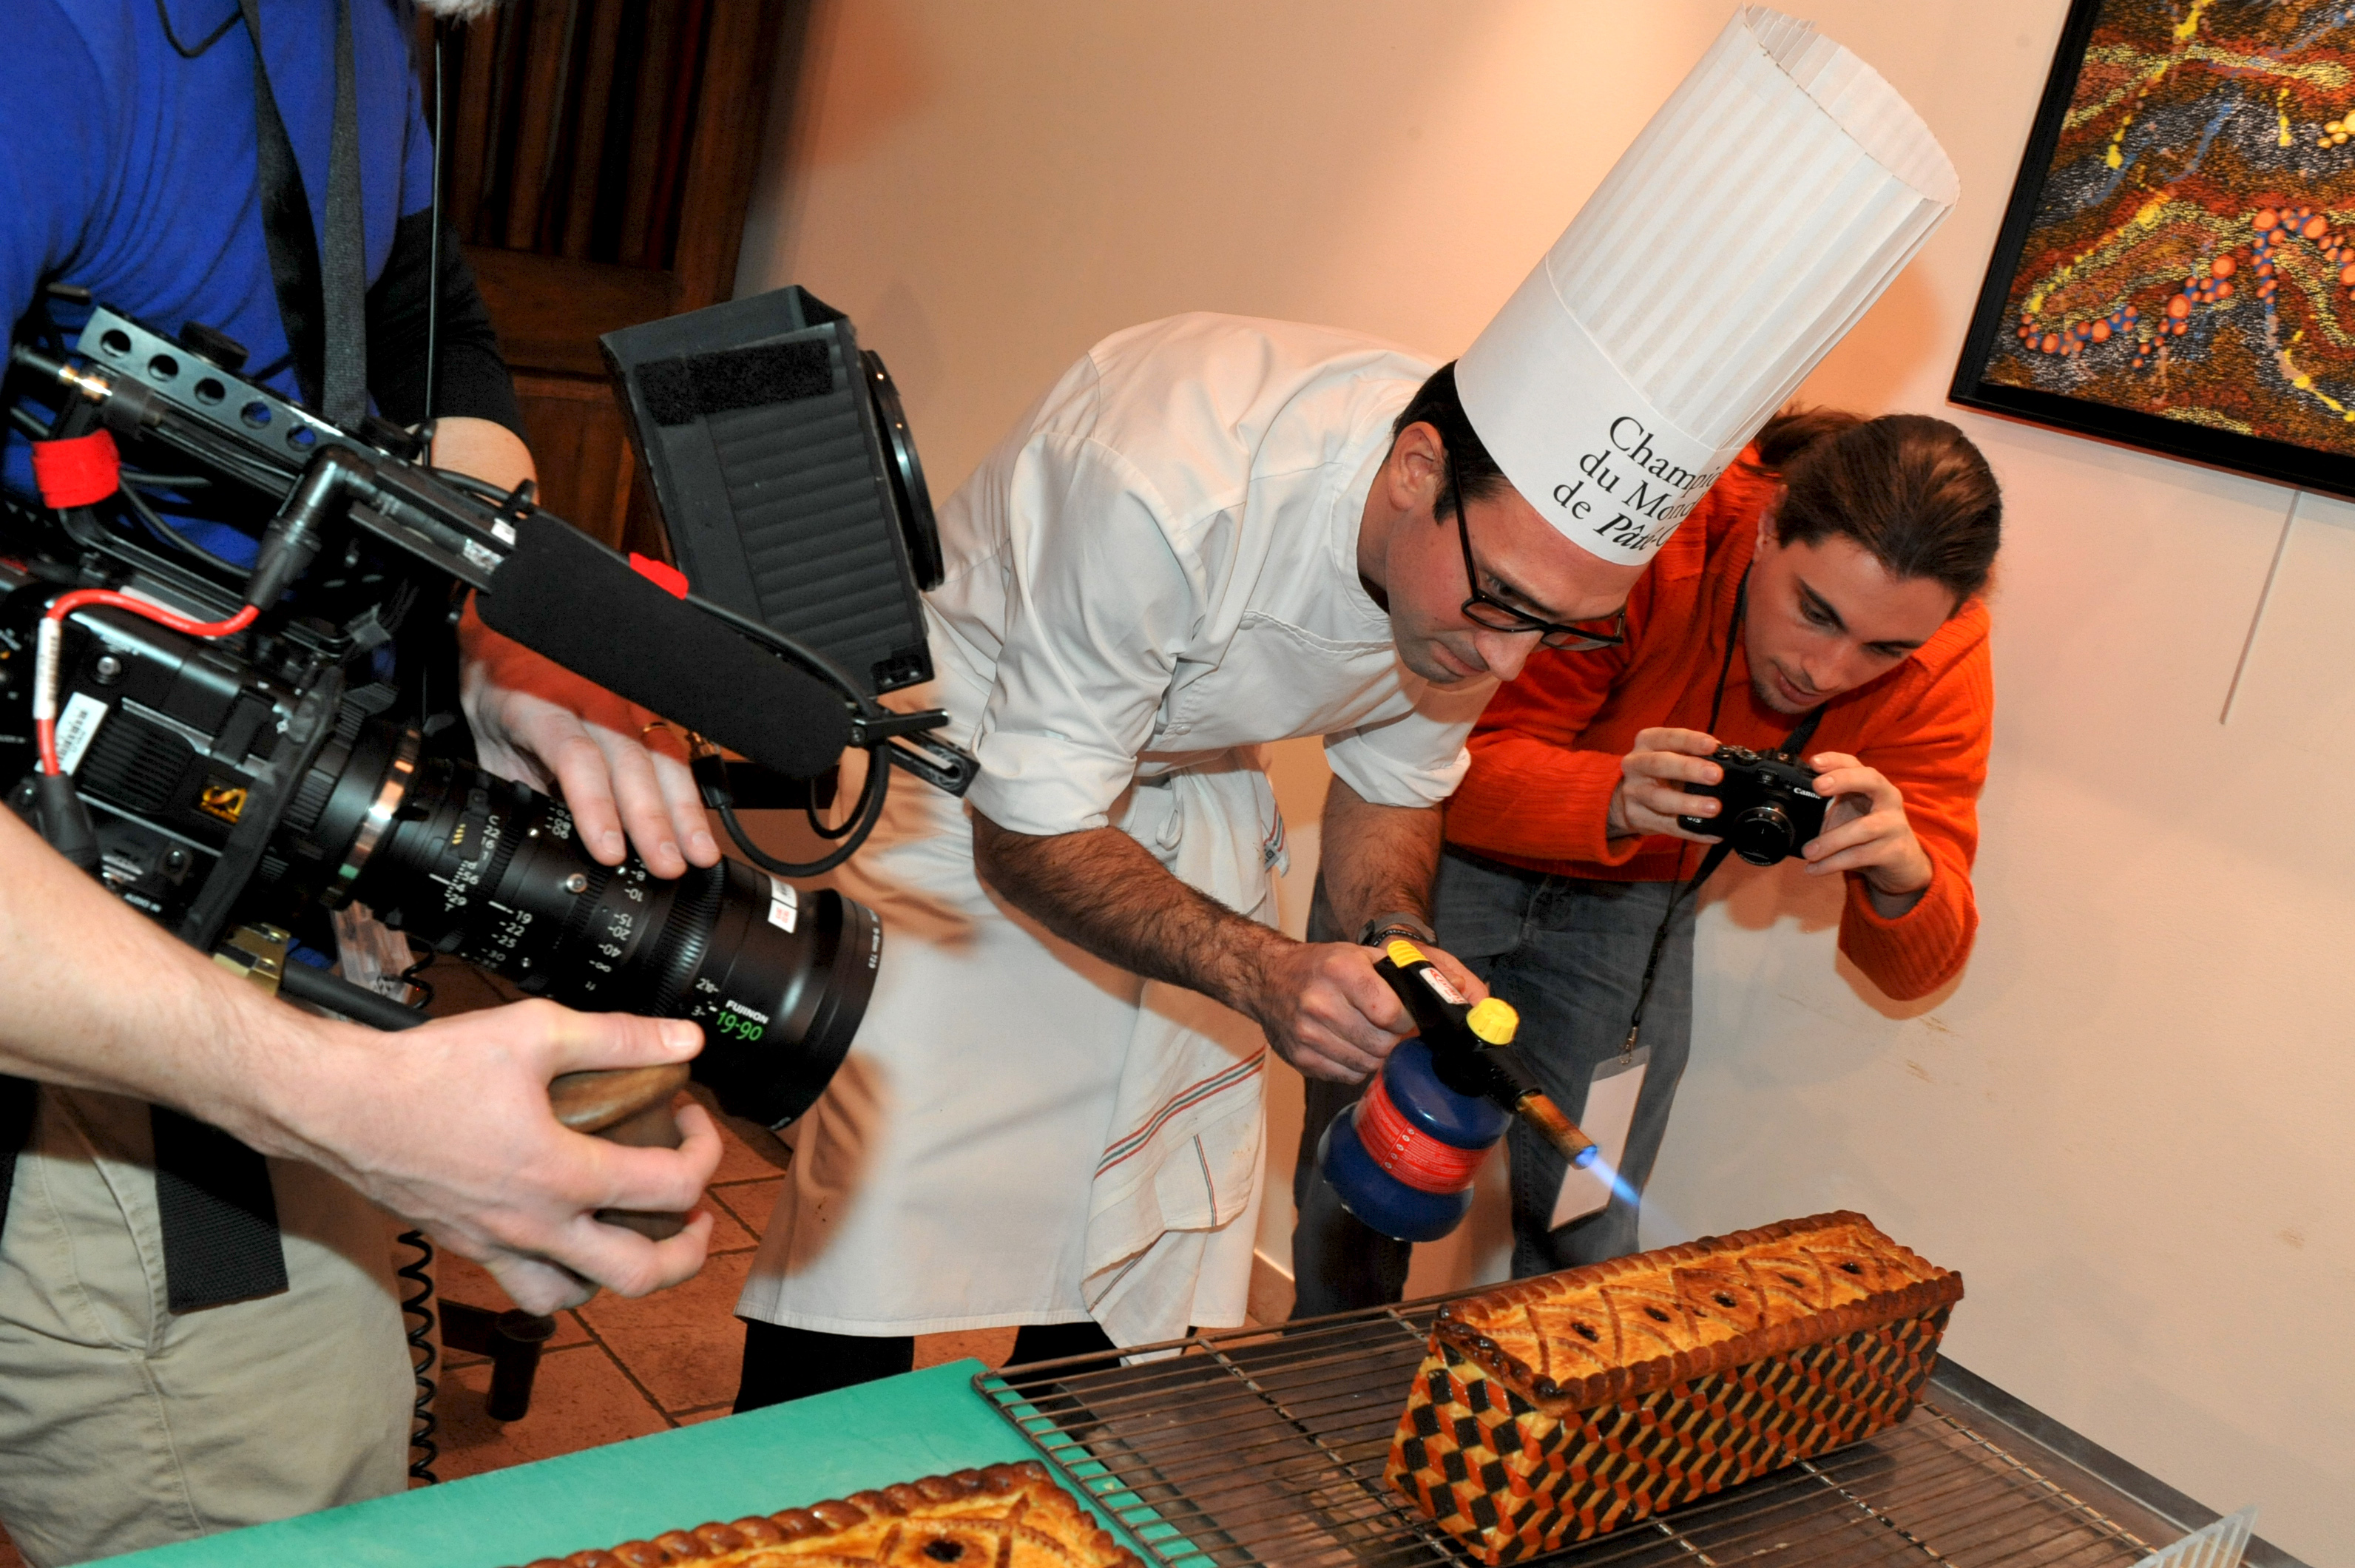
599 158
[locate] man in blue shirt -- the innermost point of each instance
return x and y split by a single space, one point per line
129 166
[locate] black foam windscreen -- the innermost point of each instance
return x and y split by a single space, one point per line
563 595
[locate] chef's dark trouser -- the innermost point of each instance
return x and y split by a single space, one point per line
1567 953
782 1363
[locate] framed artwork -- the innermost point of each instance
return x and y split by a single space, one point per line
2176 267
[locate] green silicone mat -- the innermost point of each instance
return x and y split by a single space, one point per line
925 1423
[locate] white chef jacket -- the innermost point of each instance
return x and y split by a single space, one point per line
1152 576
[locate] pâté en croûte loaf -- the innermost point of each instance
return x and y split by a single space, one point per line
1006 1516
1556 1409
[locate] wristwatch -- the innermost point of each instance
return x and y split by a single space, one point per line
1397 923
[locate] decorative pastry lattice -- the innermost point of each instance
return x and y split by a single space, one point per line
1571 1331
1557 1409
1007 1516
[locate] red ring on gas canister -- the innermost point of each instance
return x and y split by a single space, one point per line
1423 1162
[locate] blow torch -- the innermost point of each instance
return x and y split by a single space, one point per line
1403 1157
1471 1048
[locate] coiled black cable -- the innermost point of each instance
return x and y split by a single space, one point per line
418 1303
422 1357
862 822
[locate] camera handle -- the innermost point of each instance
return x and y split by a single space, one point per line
630 1105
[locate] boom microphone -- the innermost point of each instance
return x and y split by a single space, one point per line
562 595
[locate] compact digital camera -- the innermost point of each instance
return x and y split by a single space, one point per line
1770 810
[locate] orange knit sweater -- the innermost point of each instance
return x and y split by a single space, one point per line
1545 756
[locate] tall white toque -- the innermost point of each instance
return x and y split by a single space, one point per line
1626 372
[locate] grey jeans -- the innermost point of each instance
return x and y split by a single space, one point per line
1569 954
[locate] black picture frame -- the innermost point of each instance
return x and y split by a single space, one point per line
2286 462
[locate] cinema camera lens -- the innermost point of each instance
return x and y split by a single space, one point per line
1770 808
493 871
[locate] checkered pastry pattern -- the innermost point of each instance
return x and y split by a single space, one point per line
1007 1516
1553 1410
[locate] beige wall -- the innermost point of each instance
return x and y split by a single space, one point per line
2128 1124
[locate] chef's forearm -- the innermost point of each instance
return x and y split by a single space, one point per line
1101 891
1377 860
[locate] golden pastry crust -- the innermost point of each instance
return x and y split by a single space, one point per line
1572 1341
1006 1516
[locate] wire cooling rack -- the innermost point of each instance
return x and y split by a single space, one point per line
1266 1448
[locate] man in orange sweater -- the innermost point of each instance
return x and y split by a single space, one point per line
1827 591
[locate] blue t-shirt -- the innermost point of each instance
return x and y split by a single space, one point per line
133 171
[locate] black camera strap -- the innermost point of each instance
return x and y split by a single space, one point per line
213 1197
322 293
1791 746
20 1100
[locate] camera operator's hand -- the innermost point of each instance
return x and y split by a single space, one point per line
1866 831
538 722
448 1126
1647 799
1327 1013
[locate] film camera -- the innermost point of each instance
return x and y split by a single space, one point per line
1771 808
222 746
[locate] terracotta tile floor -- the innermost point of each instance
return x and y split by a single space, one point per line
622 1369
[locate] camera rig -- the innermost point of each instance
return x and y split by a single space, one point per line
222 719
144 384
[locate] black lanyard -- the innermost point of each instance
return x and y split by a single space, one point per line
1718 851
322 293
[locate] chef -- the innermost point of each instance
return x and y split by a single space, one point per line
1210 535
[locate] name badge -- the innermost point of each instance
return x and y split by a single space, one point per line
1610 1111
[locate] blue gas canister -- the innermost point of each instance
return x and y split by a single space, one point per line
1403 1157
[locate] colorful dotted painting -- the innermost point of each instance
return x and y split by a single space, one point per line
2186 252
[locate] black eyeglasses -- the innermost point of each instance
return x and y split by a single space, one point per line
1481 610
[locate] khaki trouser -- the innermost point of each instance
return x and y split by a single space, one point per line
124 1425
